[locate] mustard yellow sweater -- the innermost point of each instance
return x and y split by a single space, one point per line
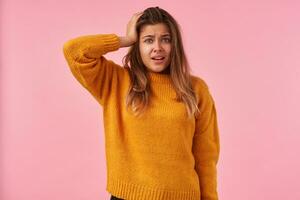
163 155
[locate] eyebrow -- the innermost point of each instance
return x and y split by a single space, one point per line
164 35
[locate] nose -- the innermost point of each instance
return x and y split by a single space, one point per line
157 46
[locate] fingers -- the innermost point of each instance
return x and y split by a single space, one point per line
138 14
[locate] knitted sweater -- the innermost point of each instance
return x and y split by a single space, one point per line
161 155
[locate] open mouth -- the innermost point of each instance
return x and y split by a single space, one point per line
158 58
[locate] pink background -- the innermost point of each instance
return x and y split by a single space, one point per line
52 141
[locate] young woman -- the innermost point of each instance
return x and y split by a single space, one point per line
160 122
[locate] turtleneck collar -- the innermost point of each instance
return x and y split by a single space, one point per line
157 77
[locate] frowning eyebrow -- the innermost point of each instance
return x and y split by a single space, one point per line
151 36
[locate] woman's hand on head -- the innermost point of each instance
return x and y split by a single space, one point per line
131 27
131 34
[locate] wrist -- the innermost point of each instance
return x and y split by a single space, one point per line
126 42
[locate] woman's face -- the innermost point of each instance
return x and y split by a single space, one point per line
155 47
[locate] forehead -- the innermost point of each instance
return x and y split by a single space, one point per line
156 29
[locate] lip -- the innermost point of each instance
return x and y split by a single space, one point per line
158 61
157 56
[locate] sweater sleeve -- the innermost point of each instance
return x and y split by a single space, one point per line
85 59
206 147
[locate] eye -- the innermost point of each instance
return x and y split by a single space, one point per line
148 40
167 39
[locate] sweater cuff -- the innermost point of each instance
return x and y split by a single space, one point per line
111 42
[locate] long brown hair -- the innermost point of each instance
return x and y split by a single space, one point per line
139 92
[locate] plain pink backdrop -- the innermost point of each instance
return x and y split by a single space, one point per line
52 141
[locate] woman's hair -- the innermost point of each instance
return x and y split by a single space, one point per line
139 91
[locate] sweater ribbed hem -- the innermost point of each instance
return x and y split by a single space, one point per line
130 191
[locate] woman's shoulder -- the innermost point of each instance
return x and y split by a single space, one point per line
199 83
201 89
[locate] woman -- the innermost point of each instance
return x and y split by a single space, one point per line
161 132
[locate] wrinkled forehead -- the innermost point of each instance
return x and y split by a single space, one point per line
156 30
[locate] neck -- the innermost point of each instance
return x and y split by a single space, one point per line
165 71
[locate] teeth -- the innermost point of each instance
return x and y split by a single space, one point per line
158 58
